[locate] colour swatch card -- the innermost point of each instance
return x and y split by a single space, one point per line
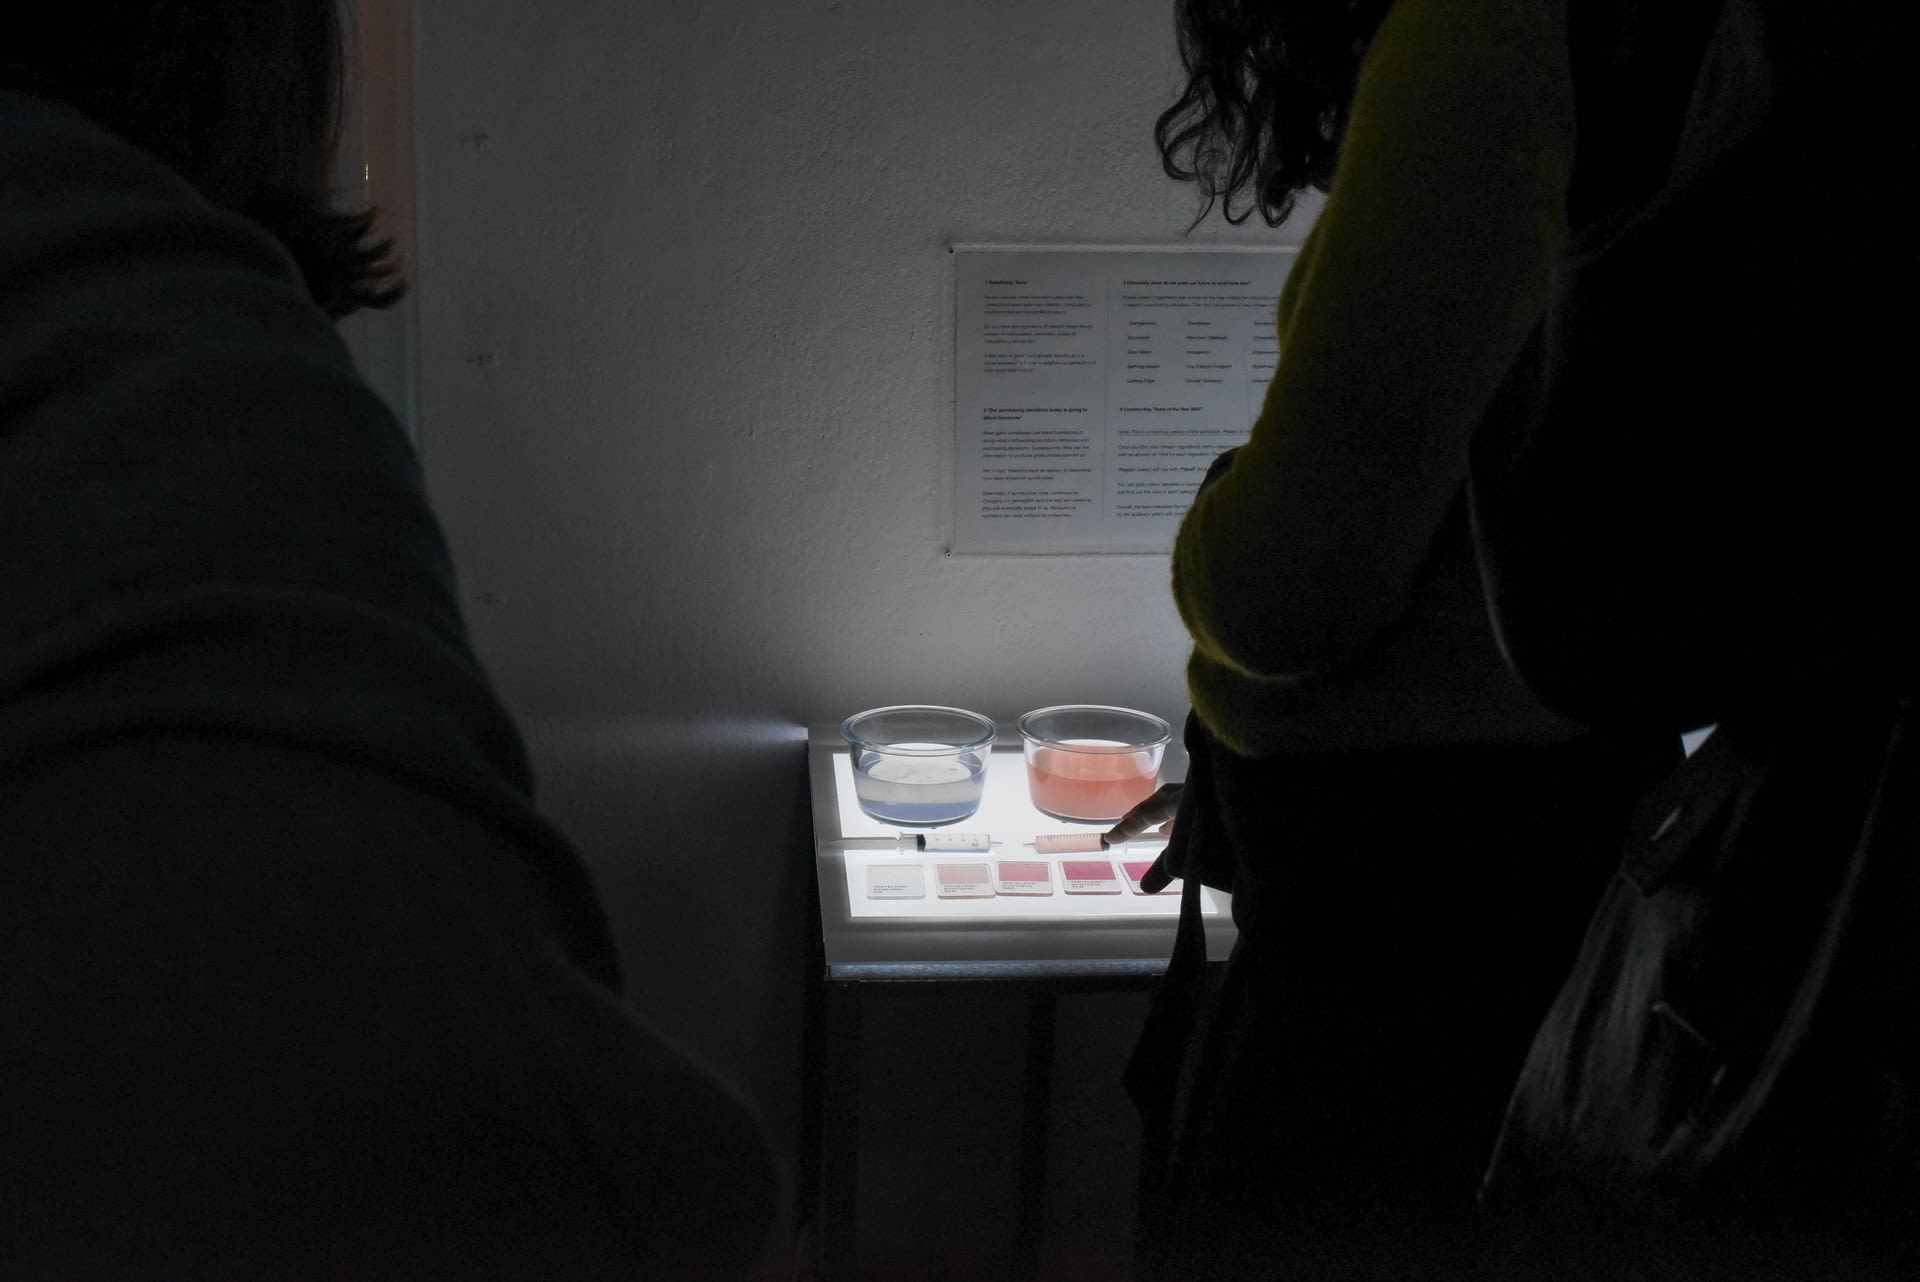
1011 880
1021 888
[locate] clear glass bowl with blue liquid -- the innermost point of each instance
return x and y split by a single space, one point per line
919 765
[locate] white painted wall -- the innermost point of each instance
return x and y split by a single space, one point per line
686 377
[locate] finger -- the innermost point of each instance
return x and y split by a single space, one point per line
1159 808
1156 878
1156 809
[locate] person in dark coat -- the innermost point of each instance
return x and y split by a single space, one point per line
1415 826
295 979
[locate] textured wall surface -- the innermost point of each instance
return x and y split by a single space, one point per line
686 380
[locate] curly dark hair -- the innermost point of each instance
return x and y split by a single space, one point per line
242 97
1269 87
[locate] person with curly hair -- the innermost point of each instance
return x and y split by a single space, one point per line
1413 837
295 979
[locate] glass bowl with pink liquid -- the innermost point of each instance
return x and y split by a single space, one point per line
1090 763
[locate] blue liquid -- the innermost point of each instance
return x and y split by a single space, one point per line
919 791
918 815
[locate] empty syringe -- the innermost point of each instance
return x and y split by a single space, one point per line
938 842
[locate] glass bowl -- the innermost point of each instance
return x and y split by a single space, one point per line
1090 763
919 765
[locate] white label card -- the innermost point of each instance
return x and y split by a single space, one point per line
896 881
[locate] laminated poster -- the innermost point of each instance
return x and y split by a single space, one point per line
1093 387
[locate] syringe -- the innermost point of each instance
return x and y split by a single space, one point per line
938 842
1089 843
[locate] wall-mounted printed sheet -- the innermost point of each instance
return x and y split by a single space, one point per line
1093 387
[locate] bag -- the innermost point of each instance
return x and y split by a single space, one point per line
1687 511
1737 1046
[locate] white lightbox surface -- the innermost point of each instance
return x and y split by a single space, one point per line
1087 938
1006 815
1093 387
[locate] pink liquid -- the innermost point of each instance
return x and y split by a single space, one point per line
1090 785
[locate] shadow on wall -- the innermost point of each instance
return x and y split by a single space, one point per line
699 836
